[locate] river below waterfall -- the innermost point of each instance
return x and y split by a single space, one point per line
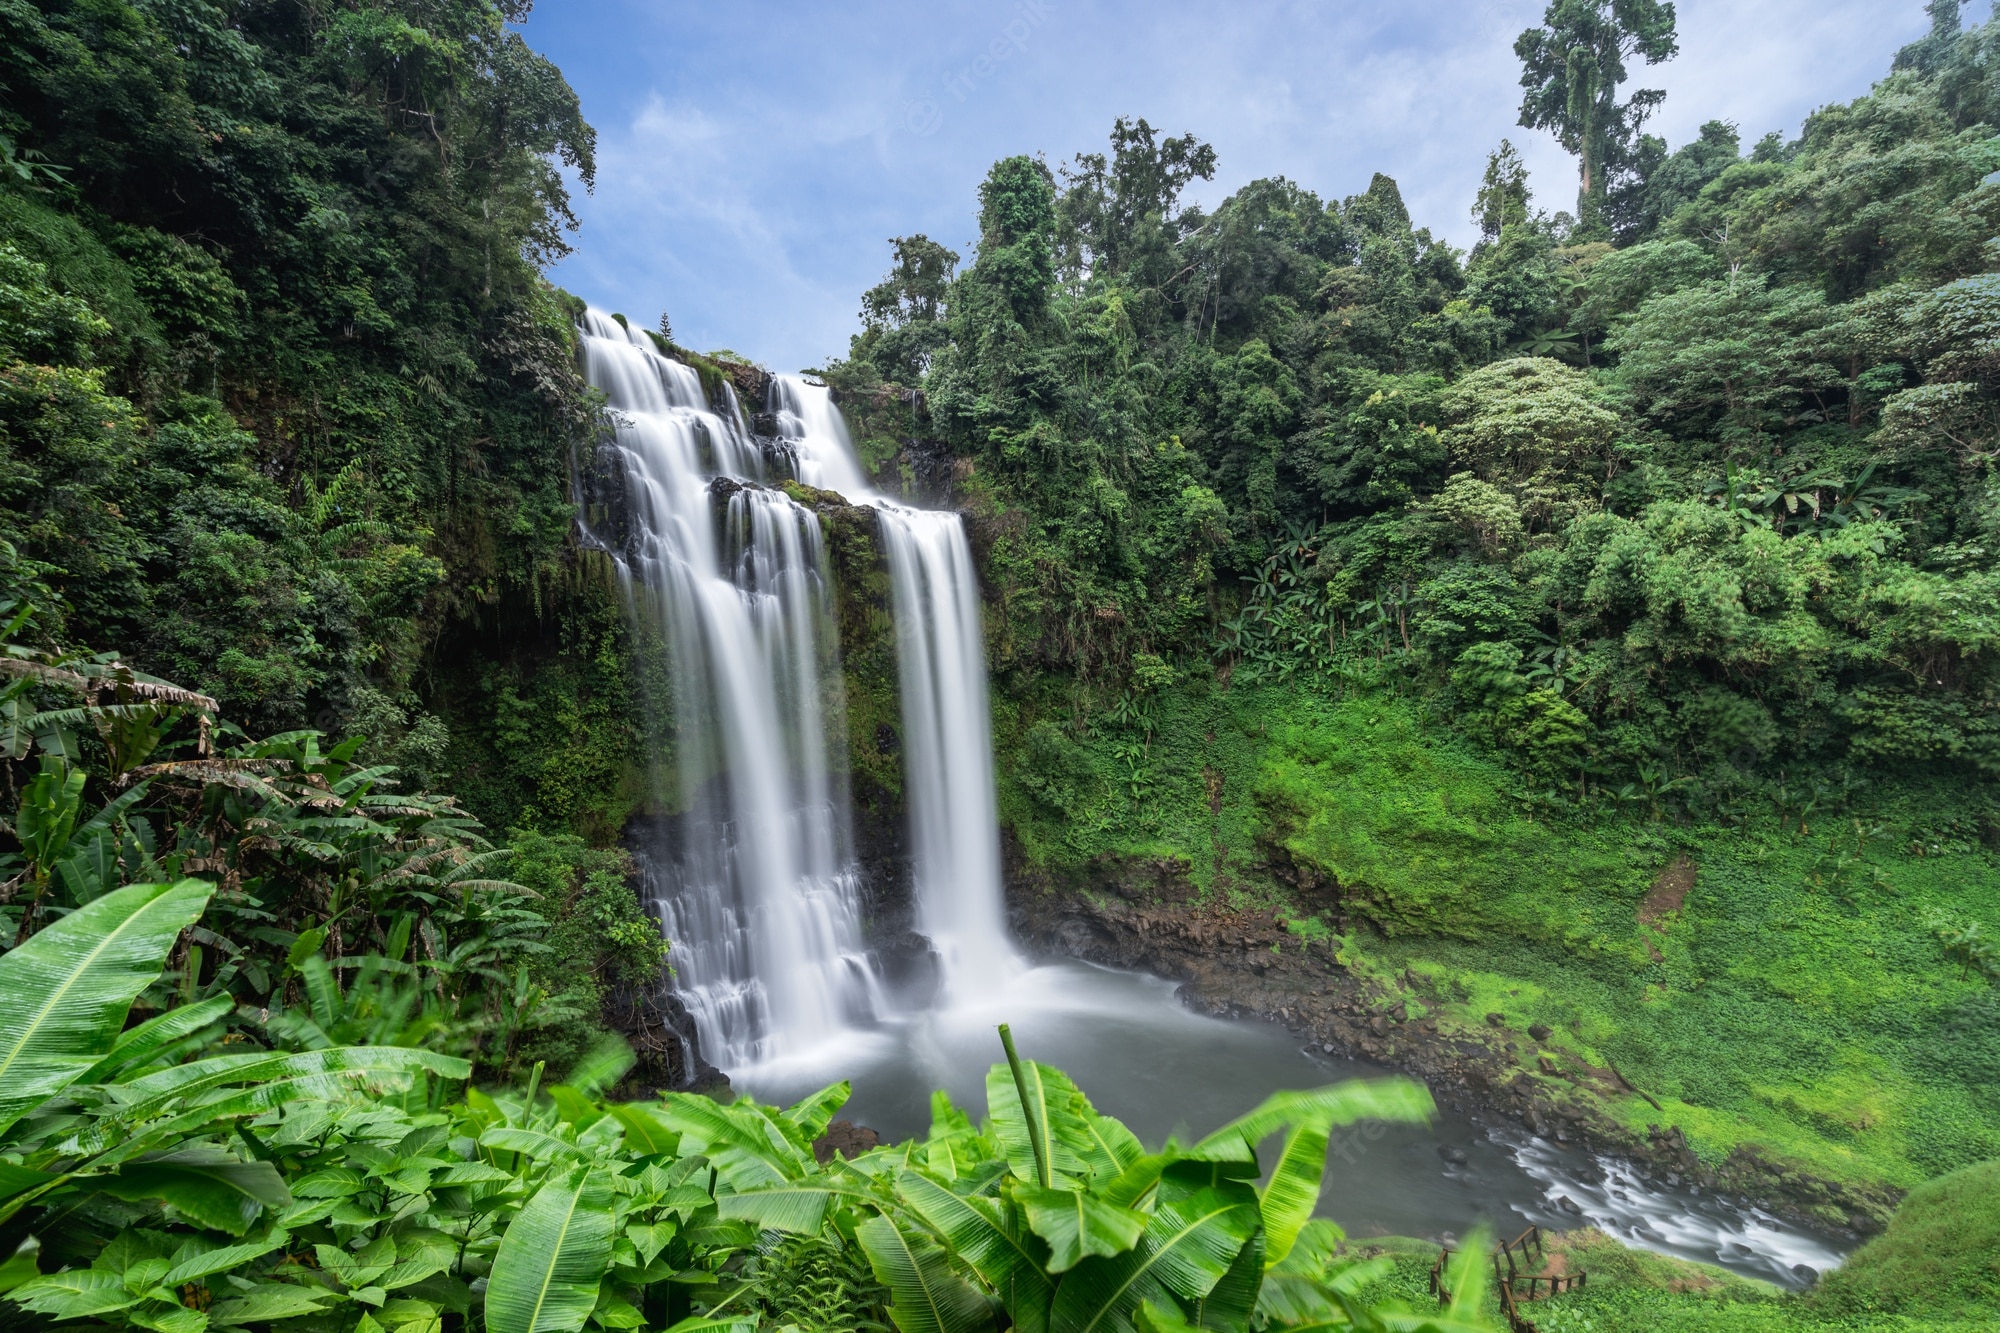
1142 1056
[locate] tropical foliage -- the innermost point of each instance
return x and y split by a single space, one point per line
153 1184
1699 481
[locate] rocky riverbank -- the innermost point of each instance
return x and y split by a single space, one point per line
1144 916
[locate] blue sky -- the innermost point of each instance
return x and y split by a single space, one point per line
754 156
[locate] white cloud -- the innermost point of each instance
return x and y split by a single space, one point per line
755 157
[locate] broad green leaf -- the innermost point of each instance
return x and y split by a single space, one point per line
1046 1090
601 1066
412 1271
573 1108
275 1081
1101 1141
531 1143
1338 1104
163 1317
552 1258
15 1179
77 1294
1466 1278
463 1173
335 1182
1157 1318
748 1151
146 1096
1188 1247
411 1316
1194 1241
1137 1179
800 1208
267 1302
22 1266
1293 1190
221 1259
614 1311
1295 1289
137 1045
206 1185
703 1324
648 1239
1076 1223
811 1116
1231 1301
977 1231
67 990
645 1132
925 1296
358 1268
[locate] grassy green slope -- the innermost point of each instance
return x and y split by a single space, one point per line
1940 1256
1798 1000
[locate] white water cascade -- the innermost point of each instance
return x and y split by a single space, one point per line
760 896
760 899
947 740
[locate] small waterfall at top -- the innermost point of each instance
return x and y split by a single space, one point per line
760 897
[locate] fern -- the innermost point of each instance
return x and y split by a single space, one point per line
818 1283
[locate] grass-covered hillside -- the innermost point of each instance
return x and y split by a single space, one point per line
1792 982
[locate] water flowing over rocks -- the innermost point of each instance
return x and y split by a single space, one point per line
789 919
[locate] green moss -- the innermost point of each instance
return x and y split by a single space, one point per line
1940 1256
1796 1002
1634 1291
867 627
558 721
599 934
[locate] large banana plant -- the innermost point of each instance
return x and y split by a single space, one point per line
338 1190
90 1106
1058 1219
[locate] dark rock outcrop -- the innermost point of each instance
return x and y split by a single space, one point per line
846 1138
663 1038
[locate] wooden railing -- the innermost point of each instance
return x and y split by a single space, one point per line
1526 1251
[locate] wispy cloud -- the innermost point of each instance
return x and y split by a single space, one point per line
756 157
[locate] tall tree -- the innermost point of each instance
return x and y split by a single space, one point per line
1118 212
1572 66
903 315
1503 192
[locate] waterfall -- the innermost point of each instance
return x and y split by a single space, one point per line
761 897
941 660
759 893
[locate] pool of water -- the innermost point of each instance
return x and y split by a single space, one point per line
1164 1070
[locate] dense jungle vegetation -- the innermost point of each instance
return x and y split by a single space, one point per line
1660 531
1488 586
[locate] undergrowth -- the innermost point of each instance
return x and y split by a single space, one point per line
1803 998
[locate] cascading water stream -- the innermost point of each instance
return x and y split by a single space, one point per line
760 898
760 895
947 740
